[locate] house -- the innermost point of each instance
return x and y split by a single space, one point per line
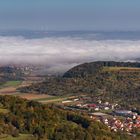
126 113
75 100
67 101
91 105
106 108
96 108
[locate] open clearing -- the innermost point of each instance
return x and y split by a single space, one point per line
8 91
55 99
2 110
11 84
20 137
10 88
52 100
121 69
32 96
28 96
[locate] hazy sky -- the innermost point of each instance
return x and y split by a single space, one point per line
70 14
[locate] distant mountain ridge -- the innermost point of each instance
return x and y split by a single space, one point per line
90 35
94 78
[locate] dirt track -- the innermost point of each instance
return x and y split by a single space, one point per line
32 96
8 90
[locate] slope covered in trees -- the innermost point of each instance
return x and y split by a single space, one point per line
94 67
49 122
113 81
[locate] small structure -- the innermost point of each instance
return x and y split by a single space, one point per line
96 108
67 101
91 105
106 108
126 113
98 114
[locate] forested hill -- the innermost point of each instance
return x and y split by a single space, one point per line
110 81
42 122
93 67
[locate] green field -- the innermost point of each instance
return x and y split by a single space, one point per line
3 110
20 137
121 69
51 99
10 84
54 99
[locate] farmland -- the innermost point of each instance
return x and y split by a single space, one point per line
20 137
90 89
11 83
2 110
129 69
10 88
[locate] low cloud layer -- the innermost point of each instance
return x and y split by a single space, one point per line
64 52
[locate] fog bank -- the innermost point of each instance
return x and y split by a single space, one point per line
61 53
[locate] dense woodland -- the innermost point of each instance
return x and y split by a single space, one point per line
48 122
93 68
111 81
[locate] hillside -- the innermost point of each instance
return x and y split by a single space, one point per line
19 117
94 67
113 81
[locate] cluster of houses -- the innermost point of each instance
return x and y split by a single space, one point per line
116 120
94 107
87 103
82 104
101 106
128 122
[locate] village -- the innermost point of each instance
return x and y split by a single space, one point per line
112 115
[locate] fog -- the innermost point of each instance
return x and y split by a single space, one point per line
62 53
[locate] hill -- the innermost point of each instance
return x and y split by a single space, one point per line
41 122
94 67
113 81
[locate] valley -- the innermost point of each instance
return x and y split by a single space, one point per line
105 92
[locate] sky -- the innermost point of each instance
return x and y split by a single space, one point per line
101 15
